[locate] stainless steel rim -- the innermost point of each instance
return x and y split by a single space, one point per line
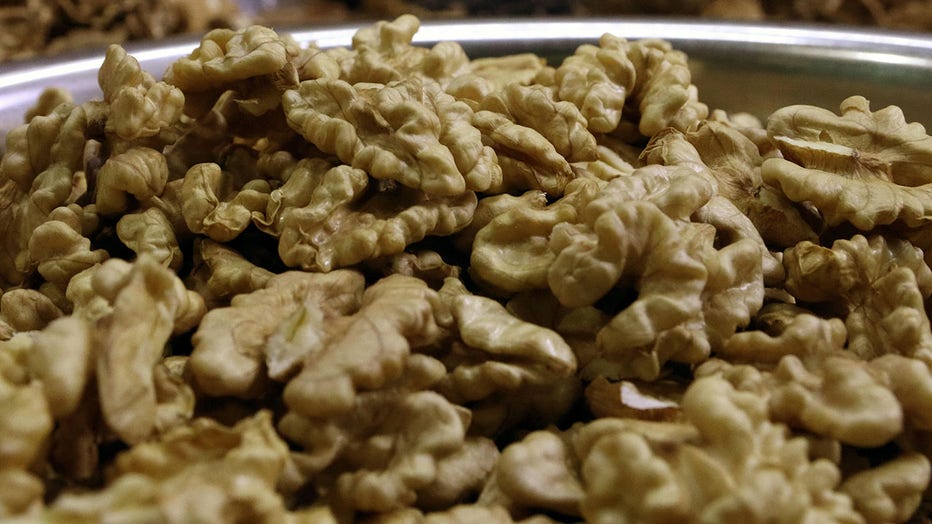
837 49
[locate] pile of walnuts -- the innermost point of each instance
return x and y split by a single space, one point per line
394 284
890 14
46 27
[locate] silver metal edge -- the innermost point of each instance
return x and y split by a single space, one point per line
20 83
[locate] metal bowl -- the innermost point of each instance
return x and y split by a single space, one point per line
755 68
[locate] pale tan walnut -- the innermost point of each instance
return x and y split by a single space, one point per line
397 446
800 333
734 161
534 136
910 380
539 472
734 289
220 203
61 358
427 431
226 56
612 234
358 229
505 393
732 225
22 492
48 100
487 75
174 394
864 202
748 125
690 295
459 474
579 326
82 293
614 159
250 66
140 172
857 143
535 107
203 471
220 273
45 140
866 168
587 263
467 513
408 131
38 175
490 207
139 106
877 285
267 333
397 314
498 354
25 427
829 394
836 395
664 92
322 440
384 52
312 62
27 310
311 190
729 464
598 79
147 305
426 265
892 491
149 231
511 252
26 420
59 249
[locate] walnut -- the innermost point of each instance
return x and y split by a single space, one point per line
878 287
236 351
385 131
726 444
146 304
219 203
358 229
534 137
539 472
396 314
866 168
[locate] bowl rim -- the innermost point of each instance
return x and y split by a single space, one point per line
844 51
860 44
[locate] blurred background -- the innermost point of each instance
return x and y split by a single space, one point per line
30 28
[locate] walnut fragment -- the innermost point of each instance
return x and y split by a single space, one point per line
866 168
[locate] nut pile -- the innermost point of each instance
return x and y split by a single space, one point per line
394 284
46 27
892 14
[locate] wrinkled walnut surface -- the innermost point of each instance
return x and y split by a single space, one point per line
389 283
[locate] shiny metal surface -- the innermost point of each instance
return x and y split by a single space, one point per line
737 67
